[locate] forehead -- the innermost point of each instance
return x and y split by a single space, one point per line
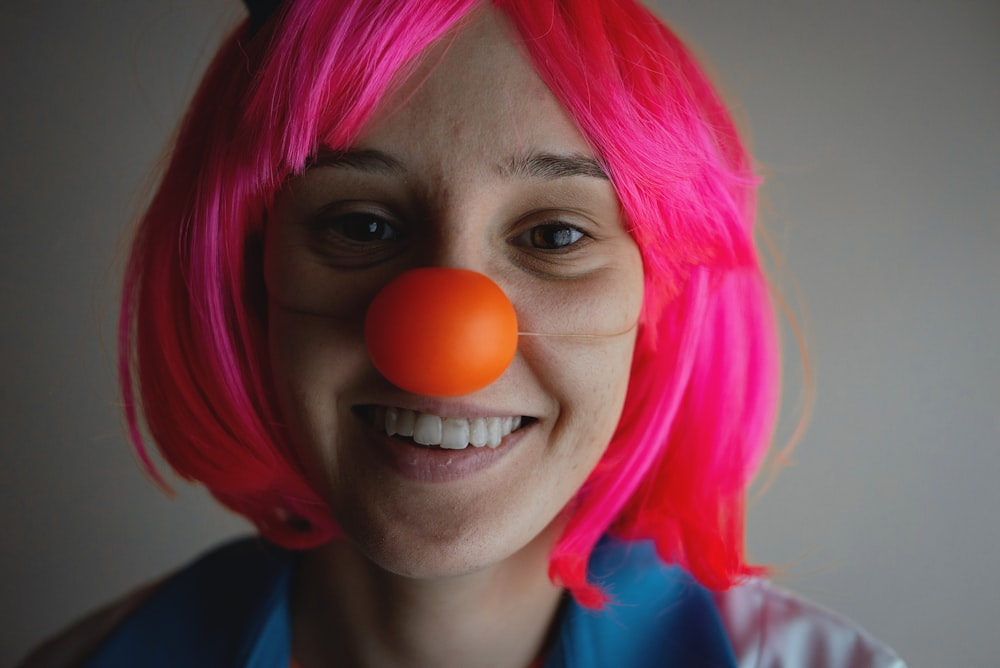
475 92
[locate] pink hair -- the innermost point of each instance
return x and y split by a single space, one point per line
703 388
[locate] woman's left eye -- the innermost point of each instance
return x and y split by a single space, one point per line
551 236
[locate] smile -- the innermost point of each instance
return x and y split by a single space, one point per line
445 432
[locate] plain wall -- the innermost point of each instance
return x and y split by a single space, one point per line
876 127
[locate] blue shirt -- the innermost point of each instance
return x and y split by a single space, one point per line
231 608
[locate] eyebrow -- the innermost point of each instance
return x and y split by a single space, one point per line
530 166
553 166
361 159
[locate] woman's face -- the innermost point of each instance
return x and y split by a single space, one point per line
471 164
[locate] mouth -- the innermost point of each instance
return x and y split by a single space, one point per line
440 432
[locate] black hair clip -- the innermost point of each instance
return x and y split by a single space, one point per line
260 12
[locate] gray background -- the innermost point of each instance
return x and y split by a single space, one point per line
876 125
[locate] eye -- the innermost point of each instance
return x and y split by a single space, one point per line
351 236
551 236
361 228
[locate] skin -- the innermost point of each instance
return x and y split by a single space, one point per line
449 572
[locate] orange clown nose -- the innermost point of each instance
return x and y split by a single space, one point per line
441 332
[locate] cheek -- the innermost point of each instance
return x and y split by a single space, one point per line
312 360
603 302
297 281
588 379
598 307
587 369
596 380
586 335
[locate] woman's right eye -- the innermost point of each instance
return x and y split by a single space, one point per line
361 228
355 238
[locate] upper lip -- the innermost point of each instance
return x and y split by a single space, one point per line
446 408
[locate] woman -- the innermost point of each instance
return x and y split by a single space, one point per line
576 507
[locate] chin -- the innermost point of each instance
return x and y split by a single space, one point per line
452 551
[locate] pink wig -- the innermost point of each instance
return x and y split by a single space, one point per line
703 387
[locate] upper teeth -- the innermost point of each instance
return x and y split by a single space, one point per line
446 432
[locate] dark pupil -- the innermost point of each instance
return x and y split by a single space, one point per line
553 237
364 229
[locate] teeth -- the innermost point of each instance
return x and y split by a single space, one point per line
427 430
494 431
477 432
447 433
454 434
405 422
390 416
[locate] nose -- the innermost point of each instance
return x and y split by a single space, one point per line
441 331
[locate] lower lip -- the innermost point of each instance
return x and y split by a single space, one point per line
422 464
